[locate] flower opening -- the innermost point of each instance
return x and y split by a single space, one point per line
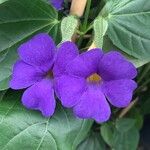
50 75
94 78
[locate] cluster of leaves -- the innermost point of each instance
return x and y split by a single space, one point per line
120 25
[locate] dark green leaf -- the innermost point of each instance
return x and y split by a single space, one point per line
145 107
126 140
136 114
122 135
92 142
2 93
107 131
25 129
20 20
125 124
126 135
3 55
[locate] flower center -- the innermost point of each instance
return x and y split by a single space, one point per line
49 74
94 78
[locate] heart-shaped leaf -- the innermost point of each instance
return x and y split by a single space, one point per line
20 20
22 128
128 26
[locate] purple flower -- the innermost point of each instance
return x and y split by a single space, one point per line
34 72
57 3
88 81
82 81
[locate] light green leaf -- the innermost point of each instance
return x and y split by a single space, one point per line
138 62
128 26
19 20
108 46
68 27
2 1
100 28
28 129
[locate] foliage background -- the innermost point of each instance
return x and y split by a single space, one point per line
123 25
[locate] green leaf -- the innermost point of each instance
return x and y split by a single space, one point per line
2 94
128 26
2 1
107 131
6 68
125 124
145 104
126 140
92 142
3 55
28 129
108 46
32 16
121 135
136 114
19 20
126 135
68 27
4 84
100 28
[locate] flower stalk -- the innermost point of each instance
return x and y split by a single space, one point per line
78 7
127 109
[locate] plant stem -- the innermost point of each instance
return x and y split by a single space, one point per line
78 7
87 11
127 109
85 22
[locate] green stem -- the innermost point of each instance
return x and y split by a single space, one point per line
87 11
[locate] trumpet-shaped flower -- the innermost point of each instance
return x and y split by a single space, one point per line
34 72
88 82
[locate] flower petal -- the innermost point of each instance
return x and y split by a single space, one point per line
40 97
93 105
113 66
69 89
57 3
66 52
24 75
39 51
119 92
85 64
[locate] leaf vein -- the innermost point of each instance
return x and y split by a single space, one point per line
21 133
